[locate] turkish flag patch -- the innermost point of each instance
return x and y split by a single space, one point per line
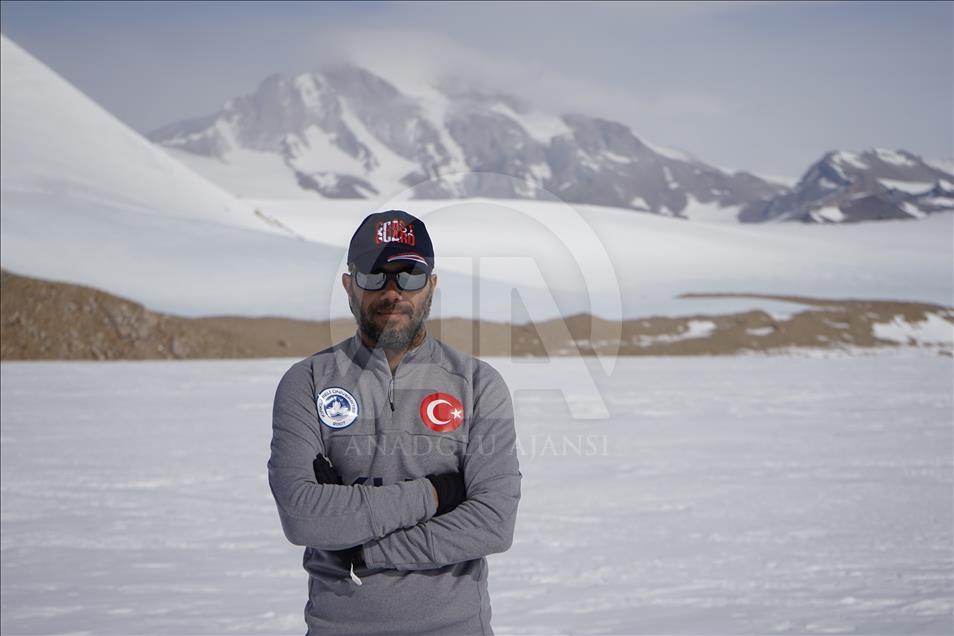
442 412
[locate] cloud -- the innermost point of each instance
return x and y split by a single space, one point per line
763 86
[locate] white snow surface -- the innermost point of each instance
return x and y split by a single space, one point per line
540 125
909 208
721 496
911 187
699 212
851 158
946 165
669 153
789 182
390 167
944 202
435 106
612 156
568 259
315 151
698 329
247 172
893 157
828 213
653 259
694 329
639 203
59 145
934 330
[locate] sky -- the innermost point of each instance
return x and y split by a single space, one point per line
761 86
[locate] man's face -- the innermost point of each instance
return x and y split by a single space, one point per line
390 317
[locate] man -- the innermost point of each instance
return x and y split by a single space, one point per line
393 456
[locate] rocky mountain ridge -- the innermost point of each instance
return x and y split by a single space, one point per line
347 133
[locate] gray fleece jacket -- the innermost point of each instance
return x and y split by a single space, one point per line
441 411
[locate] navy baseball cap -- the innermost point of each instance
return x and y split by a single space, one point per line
390 237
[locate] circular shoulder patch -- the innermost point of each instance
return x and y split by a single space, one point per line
336 407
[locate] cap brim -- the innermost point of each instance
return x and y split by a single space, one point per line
370 262
416 258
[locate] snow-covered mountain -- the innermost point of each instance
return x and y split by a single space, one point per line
347 133
849 187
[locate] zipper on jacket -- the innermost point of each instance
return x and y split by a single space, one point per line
391 393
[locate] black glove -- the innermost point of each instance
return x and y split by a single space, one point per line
325 473
450 491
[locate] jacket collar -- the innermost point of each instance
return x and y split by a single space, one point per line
371 359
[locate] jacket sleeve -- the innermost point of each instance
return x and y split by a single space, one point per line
329 516
484 522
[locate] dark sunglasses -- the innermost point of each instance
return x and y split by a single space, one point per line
406 280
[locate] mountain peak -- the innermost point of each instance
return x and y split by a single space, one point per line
458 89
874 184
344 131
360 84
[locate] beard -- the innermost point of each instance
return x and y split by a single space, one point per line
392 335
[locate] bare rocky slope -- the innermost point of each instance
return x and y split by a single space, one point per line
43 320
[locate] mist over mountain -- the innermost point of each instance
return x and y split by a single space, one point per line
346 132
